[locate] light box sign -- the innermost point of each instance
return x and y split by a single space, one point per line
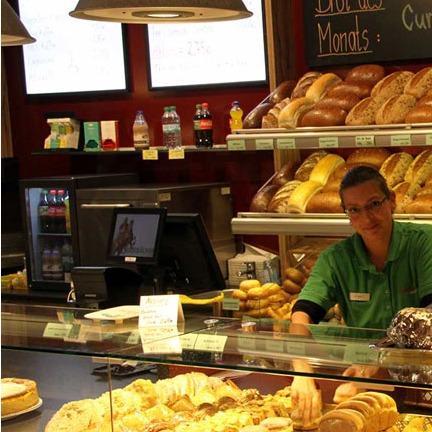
70 55
206 54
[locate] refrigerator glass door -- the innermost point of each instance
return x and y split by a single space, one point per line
49 231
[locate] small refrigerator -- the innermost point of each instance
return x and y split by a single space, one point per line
51 225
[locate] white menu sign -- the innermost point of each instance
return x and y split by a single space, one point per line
160 311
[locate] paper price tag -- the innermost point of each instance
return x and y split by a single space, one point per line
365 141
429 139
362 354
134 338
57 331
176 154
328 142
160 310
274 345
214 343
236 145
188 341
400 140
246 343
285 143
264 144
150 154
231 304
295 348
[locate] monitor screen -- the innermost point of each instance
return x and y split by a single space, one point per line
187 257
135 235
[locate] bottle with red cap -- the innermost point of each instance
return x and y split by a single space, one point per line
206 127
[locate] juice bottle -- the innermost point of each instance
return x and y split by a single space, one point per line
236 114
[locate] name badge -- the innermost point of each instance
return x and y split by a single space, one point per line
363 297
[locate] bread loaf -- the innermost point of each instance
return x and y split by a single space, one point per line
289 116
322 85
300 197
391 85
262 198
421 204
333 184
303 172
254 119
395 167
304 83
402 199
285 174
420 83
281 92
360 89
325 202
269 121
344 101
395 109
371 156
324 116
368 73
363 113
279 202
342 420
419 114
324 168
419 171
425 100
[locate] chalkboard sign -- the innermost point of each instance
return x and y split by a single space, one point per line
208 54
70 55
363 31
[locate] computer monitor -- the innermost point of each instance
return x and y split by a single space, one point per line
135 235
186 256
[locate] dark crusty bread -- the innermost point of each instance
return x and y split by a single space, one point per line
368 73
281 92
420 83
359 88
363 113
325 116
395 109
254 118
285 174
371 156
304 83
262 198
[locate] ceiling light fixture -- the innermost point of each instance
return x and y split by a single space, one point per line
13 31
153 11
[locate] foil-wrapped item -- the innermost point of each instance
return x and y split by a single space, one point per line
412 328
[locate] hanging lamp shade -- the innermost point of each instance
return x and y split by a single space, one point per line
13 31
153 11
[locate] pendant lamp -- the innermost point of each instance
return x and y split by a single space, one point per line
153 11
13 31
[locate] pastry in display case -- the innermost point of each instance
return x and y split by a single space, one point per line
243 384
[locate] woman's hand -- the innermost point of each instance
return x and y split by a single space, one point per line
306 399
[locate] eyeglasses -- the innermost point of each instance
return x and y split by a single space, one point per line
373 207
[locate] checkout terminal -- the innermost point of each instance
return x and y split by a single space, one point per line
150 252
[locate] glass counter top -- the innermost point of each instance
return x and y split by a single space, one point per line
223 343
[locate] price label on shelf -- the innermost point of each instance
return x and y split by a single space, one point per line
429 139
214 343
400 140
188 341
285 143
274 345
246 343
176 154
134 338
57 331
328 142
296 348
264 144
231 304
360 354
150 154
236 145
365 141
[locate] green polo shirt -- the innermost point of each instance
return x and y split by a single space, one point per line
369 298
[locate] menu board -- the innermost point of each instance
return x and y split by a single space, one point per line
70 55
362 31
201 54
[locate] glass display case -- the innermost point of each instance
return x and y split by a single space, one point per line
72 357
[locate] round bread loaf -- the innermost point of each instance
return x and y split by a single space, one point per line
291 287
395 109
391 85
363 408
324 116
295 275
321 86
425 100
325 202
342 420
419 114
303 172
290 115
395 167
304 83
361 89
363 113
371 156
344 101
368 73
254 119
420 83
262 198
246 285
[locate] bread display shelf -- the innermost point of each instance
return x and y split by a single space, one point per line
332 137
314 224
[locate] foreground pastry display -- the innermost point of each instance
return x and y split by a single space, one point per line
17 394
